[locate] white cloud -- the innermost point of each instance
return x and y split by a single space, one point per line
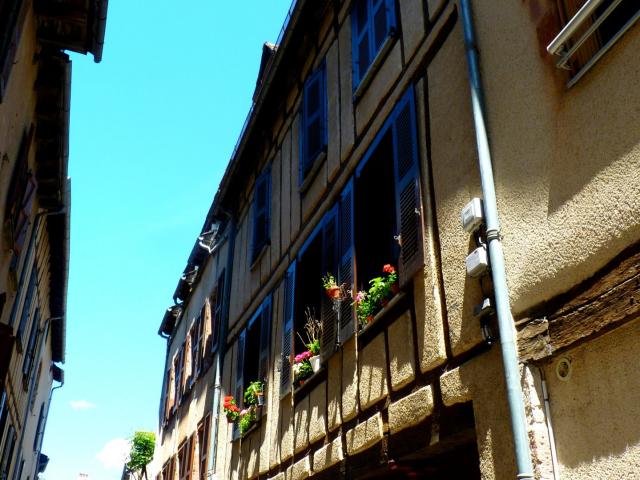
114 453
81 405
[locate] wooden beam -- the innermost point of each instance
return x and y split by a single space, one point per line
608 299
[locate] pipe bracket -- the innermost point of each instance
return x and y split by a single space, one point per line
493 234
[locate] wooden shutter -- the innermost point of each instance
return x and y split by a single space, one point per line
287 329
188 367
328 316
172 389
12 19
6 349
346 267
179 376
240 368
360 43
261 212
239 388
265 337
408 197
217 314
207 337
314 131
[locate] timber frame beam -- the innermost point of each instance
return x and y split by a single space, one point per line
608 299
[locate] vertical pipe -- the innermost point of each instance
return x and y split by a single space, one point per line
496 255
552 438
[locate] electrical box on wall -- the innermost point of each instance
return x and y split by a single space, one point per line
472 215
477 262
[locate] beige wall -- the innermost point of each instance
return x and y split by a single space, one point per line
594 411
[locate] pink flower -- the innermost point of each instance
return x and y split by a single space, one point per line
360 296
244 411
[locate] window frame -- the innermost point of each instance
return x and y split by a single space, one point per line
570 56
360 75
204 427
10 37
261 207
309 161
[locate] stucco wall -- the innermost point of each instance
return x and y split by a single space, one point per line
595 411
566 161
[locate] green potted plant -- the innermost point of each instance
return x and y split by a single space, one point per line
381 290
313 329
247 419
302 368
254 394
331 287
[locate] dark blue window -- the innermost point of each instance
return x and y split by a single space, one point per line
261 213
373 21
313 122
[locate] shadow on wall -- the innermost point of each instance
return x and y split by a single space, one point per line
594 125
595 412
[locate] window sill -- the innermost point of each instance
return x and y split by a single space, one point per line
315 168
396 306
256 261
361 88
309 384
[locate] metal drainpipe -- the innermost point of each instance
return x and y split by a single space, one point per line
222 339
496 254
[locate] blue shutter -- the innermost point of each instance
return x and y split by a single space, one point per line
239 388
407 189
328 316
261 212
313 121
265 339
346 267
216 317
287 329
372 22
360 41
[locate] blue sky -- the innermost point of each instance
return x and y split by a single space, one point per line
152 129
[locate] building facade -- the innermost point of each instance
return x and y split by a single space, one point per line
35 82
362 148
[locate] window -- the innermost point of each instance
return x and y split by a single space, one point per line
217 313
11 18
375 213
185 459
30 353
592 35
195 335
261 214
313 121
177 368
373 22
4 412
7 453
39 433
204 428
213 311
377 220
21 194
168 469
252 360
28 301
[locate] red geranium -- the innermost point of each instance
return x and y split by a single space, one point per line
388 268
